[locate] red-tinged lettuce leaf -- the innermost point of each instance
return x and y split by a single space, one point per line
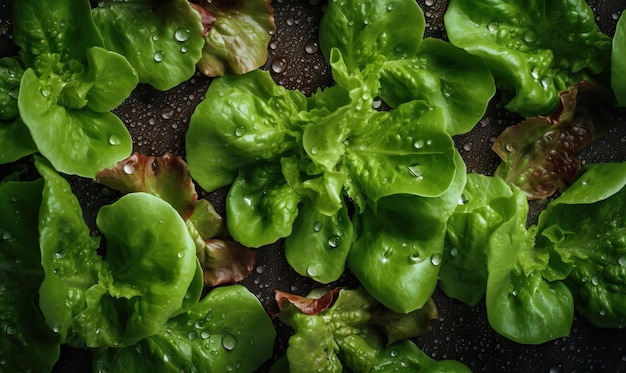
308 306
237 34
223 260
166 177
539 155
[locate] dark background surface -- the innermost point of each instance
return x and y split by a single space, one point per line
157 122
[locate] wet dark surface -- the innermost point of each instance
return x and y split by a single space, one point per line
158 120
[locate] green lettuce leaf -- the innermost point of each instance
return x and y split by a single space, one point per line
242 120
26 341
618 66
534 49
585 231
162 40
228 330
15 140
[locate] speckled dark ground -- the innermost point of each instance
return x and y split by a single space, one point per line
158 120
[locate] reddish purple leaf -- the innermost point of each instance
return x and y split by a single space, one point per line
166 177
225 262
308 306
539 155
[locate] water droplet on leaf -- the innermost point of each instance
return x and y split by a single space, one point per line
229 342
182 34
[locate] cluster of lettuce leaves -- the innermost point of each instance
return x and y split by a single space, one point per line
292 160
354 333
137 306
76 64
384 192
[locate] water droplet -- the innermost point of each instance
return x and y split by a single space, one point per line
156 37
128 168
435 259
414 258
395 353
279 65
181 254
416 171
493 26
311 47
158 56
334 241
418 144
44 91
622 260
229 342
313 270
454 251
534 73
167 112
11 330
182 34
192 335
529 36
595 280
6 235
240 131
204 334
314 150
386 255
317 226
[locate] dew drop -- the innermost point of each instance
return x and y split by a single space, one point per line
182 34
6 235
416 171
180 255
311 47
435 259
155 37
279 65
192 335
418 144
44 92
11 330
595 280
204 334
493 26
529 36
454 251
314 150
622 260
414 258
395 353
313 270
334 241
317 226
128 168
158 56
167 112
229 342
240 131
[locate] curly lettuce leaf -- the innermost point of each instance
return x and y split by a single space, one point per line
319 244
260 206
399 246
242 120
521 304
166 177
539 155
356 333
365 31
149 268
26 342
535 50
236 35
64 109
162 40
443 76
64 28
68 254
480 209
403 151
227 330
585 231
15 140
618 64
